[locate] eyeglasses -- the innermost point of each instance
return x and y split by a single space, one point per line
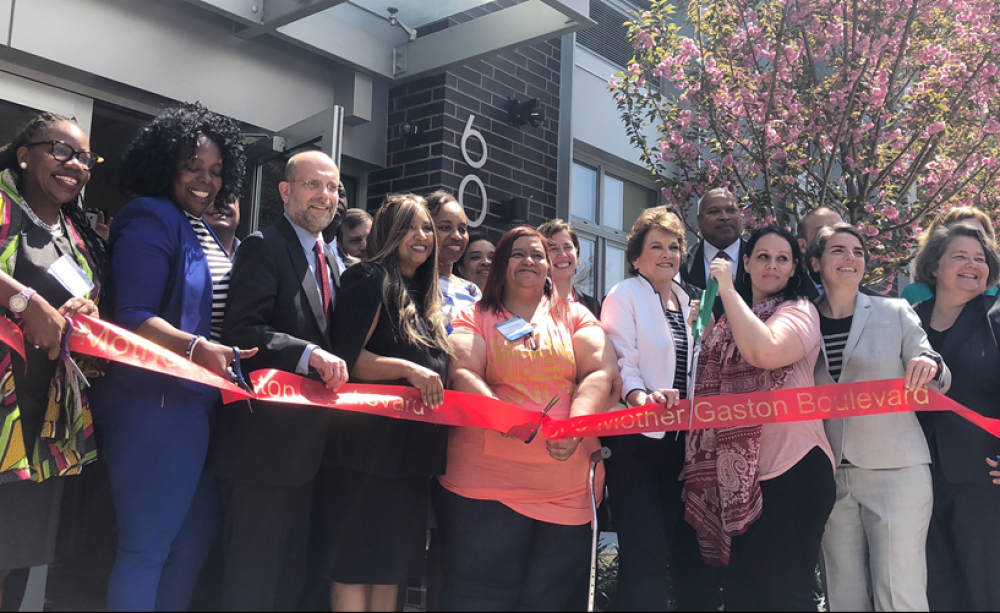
64 153
315 186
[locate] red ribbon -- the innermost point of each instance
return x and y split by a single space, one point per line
100 339
459 408
778 406
12 336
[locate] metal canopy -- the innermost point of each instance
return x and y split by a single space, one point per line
360 32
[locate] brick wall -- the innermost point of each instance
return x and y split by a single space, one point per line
521 160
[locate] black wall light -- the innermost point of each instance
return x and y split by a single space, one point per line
529 111
514 210
411 133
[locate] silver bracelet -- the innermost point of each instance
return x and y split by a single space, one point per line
192 344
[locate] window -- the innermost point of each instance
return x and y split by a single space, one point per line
608 38
603 207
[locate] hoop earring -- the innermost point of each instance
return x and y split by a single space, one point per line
798 282
24 166
746 279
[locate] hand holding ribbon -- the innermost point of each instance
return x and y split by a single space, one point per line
459 408
100 339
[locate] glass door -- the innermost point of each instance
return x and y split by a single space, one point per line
261 202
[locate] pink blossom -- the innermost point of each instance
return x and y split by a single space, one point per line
739 106
643 40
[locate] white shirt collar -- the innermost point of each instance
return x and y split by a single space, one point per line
732 250
332 246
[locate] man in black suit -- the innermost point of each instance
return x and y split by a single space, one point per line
809 226
281 296
807 229
720 223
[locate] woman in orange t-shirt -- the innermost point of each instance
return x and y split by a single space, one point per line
514 517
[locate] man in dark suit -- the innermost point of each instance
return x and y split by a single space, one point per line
807 229
282 293
720 223
809 226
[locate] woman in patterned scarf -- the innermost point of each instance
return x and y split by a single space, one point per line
766 341
45 423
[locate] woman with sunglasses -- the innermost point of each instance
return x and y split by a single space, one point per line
43 230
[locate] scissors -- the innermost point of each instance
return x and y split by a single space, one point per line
545 412
236 376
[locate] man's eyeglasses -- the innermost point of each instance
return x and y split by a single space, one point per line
64 153
315 186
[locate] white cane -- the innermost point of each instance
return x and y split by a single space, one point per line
595 458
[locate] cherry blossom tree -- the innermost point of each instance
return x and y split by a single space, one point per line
886 110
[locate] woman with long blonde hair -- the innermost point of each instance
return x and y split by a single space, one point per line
389 328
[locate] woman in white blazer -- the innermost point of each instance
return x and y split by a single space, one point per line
875 538
646 319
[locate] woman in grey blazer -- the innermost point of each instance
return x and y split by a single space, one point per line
875 537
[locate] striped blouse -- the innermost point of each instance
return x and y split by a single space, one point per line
835 333
679 331
220 266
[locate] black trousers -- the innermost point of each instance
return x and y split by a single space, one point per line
496 559
963 546
773 564
645 498
265 543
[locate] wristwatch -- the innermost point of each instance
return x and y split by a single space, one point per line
19 301
937 360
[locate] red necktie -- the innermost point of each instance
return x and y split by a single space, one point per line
323 275
722 255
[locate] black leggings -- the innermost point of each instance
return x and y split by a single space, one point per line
496 559
644 491
773 563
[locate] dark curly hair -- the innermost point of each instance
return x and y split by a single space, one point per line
73 210
151 159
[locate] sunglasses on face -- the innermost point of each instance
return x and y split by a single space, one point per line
64 153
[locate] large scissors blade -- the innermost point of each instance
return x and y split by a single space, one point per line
236 375
541 419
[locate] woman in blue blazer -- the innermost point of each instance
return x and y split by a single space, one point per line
172 279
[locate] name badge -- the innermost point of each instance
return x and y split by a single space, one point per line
68 273
514 328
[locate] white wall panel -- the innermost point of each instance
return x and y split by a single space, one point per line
180 51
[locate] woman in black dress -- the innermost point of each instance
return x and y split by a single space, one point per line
389 328
44 170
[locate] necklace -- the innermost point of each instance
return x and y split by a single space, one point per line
50 228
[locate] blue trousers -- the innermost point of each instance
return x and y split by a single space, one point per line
166 504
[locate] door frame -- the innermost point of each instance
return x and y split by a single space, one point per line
26 92
324 130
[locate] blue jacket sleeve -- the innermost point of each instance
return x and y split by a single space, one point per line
142 257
